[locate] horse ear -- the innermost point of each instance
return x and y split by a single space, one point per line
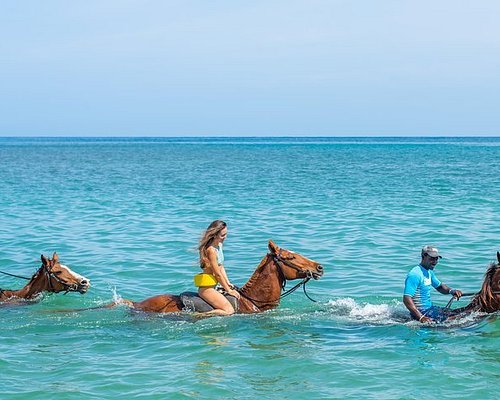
272 247
498 256
55 257
44 260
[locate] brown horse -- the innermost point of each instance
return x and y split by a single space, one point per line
262 291
52 277
487 300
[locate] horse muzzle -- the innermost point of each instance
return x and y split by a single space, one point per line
83 286
318 273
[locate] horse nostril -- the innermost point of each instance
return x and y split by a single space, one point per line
319 268
84 282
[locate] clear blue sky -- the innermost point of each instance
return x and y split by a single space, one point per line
249 68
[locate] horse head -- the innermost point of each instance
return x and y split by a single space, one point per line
61 278
293 265
488 298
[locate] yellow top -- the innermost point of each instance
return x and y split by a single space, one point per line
205 280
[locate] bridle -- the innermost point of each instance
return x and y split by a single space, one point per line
49 274
279 260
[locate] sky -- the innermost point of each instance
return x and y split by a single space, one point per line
249 68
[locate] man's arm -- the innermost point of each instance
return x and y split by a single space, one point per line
410 305
445 289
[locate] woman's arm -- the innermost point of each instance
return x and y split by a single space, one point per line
218 270
223 270
220 273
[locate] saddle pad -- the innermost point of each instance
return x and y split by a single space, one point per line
193 302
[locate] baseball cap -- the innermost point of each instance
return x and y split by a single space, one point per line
431 251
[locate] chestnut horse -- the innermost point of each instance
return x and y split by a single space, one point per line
262 291
487 300
52 277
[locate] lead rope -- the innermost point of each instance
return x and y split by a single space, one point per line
15 276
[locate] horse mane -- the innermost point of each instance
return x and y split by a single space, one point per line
484 299
35 275
255 275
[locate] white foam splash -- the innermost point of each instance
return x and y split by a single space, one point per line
116 297
392 313
365 311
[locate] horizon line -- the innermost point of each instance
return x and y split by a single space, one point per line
240 136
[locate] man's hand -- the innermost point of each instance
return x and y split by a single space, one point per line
456 293
424 319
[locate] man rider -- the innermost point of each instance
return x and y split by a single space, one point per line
417 292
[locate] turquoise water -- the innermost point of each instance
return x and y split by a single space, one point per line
127 213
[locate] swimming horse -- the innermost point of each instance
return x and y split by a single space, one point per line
487 300
52 277
262 291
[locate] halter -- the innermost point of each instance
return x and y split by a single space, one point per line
279 261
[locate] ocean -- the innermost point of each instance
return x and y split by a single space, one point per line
128 214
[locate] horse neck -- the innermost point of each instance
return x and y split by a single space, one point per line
264 286
36 285
485 300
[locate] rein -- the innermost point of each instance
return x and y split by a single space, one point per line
465 295
301 283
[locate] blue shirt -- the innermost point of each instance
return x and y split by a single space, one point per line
418 285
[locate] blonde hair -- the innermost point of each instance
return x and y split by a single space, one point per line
212 231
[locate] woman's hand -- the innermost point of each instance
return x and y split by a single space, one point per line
233 293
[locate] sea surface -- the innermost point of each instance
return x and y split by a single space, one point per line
128 213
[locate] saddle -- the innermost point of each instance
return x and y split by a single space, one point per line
192 302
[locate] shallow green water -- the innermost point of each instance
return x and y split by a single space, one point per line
127 213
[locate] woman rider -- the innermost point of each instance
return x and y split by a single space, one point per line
212 264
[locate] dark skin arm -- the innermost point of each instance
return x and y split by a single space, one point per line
410 305
445 289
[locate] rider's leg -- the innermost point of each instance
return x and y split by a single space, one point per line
221 305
